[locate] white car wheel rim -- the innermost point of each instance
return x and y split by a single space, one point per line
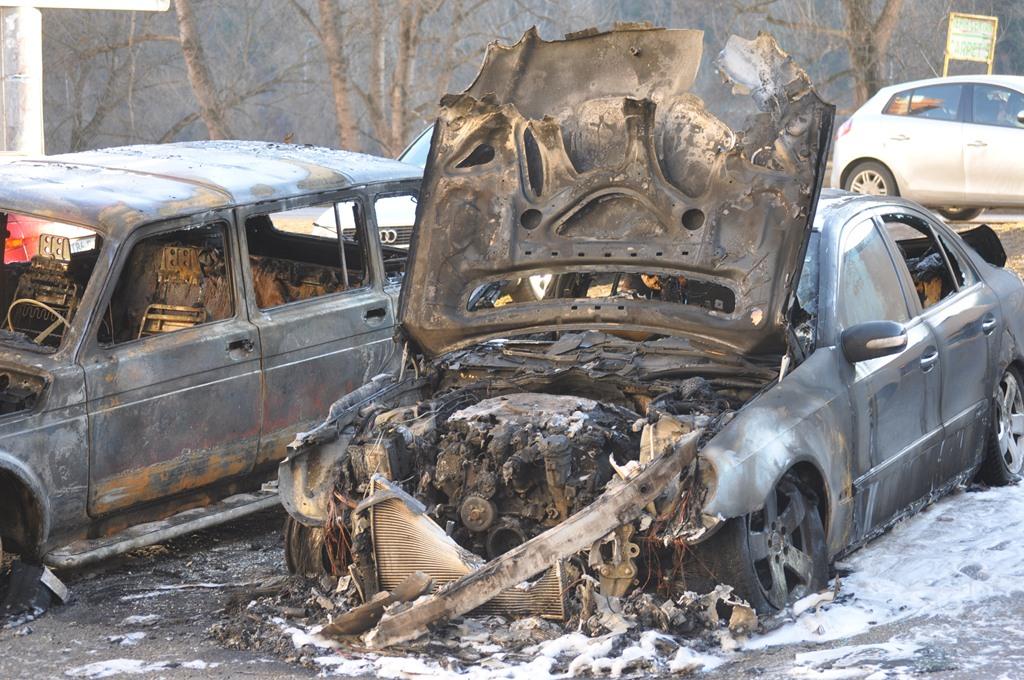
1011 423
869 182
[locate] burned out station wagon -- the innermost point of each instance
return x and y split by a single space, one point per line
169 336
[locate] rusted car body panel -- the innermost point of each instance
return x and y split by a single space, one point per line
128 433
512 416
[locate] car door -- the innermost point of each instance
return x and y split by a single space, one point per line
994 146
324 320
172 368
963 316
895 398
924 130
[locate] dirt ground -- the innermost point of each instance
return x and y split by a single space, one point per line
152 611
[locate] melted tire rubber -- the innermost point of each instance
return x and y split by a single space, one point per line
304 549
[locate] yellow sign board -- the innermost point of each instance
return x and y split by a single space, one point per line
971 37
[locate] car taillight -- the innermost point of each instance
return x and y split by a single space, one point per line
13 243
844 128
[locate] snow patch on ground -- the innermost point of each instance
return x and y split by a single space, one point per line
127 639
114 667
965 548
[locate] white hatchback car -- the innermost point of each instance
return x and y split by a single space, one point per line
954 144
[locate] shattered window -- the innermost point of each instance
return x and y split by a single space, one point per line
654 286
296 254
997 106
936 102
869 288
47 266
926 260
170 282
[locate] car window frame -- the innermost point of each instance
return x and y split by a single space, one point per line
91 347
357 195
387 191
844 236
904 271
970 102
961 104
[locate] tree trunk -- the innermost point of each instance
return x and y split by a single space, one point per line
210 107
409 19
330 32
868 43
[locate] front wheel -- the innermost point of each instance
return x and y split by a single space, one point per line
771 557
1004 455
959 214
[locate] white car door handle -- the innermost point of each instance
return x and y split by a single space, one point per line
900 138
977 142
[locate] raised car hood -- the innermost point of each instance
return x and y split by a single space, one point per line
590 154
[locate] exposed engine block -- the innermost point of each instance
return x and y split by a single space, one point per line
511 466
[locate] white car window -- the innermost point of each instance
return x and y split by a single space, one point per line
997 106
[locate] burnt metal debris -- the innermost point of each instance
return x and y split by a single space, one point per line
540 474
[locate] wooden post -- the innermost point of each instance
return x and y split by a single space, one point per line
21 81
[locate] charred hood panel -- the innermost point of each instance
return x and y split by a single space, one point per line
591 154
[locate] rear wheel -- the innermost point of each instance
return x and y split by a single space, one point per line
872 178
770 557
959 214
1004 457
304 550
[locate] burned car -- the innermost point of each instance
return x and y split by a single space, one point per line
169 335
732 378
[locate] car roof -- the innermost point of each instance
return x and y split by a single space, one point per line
1015 82
841 204
117 189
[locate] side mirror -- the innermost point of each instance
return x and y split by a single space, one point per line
873 339
1020 117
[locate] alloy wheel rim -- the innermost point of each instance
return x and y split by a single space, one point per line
1010 405
779 542
869 182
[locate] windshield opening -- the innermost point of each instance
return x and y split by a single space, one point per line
47 266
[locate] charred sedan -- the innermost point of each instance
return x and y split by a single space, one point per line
168 337
731 379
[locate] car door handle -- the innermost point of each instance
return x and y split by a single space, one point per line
988 324
977 142
241 345
375 314
930 358
900 138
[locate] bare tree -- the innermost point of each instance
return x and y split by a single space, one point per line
211 109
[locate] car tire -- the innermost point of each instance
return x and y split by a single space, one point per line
304 550
750 553
959 214
1004 454
872 178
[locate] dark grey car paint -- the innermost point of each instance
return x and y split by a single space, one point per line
182 419
877 434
